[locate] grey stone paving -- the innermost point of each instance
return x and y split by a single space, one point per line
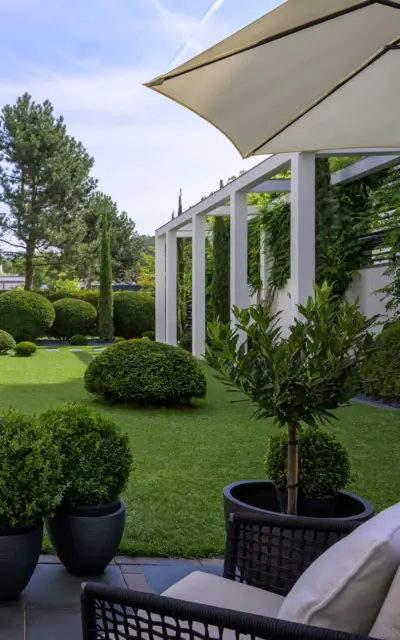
76 350
49 608
53 350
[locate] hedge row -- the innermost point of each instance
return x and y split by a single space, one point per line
29 316
383 378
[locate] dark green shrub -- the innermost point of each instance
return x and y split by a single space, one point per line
119 339
95 456
384 367
142 371
7 342
25 315
73 317
29 470
151 335
25 349
79 340
324 464
134 313
186 341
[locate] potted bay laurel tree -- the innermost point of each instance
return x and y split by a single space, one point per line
87 528
29 490
296 380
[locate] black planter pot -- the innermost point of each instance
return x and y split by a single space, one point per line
260 496
86 538
309 507
19 553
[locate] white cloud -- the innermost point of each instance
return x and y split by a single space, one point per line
146 147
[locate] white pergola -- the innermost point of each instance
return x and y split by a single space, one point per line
259 179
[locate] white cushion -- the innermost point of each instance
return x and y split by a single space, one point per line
346 586
387 624
205 588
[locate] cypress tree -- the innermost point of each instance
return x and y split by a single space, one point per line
106 329
181 293
220 283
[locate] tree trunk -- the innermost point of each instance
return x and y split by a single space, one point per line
29 267
293 469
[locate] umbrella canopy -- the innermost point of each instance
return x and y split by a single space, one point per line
310 75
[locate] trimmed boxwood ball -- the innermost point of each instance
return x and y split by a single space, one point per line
25 315
95 456
73 317
134 313
79 341
324 464
7 343
146 372
30 470
25 349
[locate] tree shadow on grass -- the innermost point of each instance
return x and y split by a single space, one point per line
36 398
84 356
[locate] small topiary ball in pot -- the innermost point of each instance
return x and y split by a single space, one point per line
7 343
30 470
324 464
151 335
95 456
146 372
79 340
25 349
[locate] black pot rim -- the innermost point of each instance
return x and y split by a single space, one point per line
21 529
368 510
78 512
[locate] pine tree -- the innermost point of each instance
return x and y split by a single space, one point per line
106 329
220 283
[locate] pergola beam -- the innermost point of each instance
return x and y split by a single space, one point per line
276 185
364 167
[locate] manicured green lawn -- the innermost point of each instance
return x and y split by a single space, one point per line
183 458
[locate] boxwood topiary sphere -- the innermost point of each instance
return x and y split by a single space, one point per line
25 315
73 317
79 341
95 456
134 313
146 372
324 464
151 335
25 349
7 343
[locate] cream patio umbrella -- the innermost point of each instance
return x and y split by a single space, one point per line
310 75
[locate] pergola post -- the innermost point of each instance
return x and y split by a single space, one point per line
160 288
198 285
171 289
239 291
302 229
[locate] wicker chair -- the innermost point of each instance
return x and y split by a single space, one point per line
268 552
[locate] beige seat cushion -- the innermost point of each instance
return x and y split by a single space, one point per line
345 587
205 588
387 624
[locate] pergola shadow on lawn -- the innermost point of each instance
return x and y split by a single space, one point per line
183 457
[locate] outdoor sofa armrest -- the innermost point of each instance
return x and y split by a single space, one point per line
272 551
110 613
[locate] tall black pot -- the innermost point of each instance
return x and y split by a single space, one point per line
87 538
19 554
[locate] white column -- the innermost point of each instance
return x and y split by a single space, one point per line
198 285
239 292
302 229
160 289
171 289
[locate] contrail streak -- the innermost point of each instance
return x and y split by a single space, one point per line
217 4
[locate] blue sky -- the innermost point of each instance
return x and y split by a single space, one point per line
90 58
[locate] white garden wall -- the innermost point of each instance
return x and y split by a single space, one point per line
365 287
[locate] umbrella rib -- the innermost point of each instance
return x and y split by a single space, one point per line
283 34
394 45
